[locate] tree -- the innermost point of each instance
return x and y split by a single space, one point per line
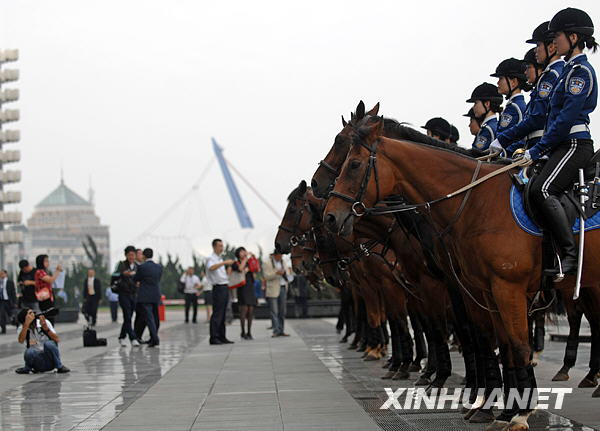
172 271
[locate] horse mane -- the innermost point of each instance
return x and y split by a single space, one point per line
397 130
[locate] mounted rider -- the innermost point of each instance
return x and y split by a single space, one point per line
511 82
474 125
566 140
438 128
486 104
531 129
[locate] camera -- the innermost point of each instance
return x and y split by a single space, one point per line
50 312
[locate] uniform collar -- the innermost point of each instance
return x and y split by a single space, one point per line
514 96
488 119
560 60
578 58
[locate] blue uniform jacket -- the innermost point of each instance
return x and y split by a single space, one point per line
573 99
536 111
148 275
486 134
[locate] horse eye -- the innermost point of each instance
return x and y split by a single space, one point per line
354 164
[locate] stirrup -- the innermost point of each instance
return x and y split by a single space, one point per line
561 275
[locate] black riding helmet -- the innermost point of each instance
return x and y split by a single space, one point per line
454 135
470 114
572 20
511 68
484 92
540 34
439 127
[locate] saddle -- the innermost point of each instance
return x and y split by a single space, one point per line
528 217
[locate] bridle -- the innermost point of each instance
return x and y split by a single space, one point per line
294 239
358 207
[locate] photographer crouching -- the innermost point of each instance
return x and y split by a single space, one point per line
42 352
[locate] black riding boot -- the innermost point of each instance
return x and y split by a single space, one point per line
558 224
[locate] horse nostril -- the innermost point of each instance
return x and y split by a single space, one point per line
313 183
330 219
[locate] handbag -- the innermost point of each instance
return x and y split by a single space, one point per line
253 265
236 279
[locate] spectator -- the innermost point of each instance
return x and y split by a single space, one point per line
207 295
92 293
140 315
122 279
8 299
26 281
148 276
191 290
217 277
275 274
42 352
245 293
113 302
44 281
139 256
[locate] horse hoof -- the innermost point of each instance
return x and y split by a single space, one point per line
596 393
423 381
482 417
468 413
497 426
344 340
587 383
560 377
386 365
414 368
388 375
401 375
517 426
371 356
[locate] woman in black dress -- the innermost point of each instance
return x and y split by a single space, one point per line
246 297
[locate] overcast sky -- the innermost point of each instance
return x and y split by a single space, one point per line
130 92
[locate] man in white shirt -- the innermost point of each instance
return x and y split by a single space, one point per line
217 277
42 344
191 290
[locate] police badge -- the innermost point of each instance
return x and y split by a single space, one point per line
576 85
544 89
505 120
481 142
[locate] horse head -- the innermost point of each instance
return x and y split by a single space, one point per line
329 167
296 219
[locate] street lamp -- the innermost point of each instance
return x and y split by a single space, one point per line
8 95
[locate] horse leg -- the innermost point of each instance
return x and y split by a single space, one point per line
489 377
405 350
419 337
430 369
442 358
574 316
589 304
393 365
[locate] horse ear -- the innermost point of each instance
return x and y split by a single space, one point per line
375 110
344 121
351 116
302 187
360 110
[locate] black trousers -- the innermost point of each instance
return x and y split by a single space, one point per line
151 319
220 294
562 169
140 320
127 303
114 309
5 313
91 308
191 300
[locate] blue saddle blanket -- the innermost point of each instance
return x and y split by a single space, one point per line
526 223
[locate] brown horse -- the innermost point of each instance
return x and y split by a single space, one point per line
493 255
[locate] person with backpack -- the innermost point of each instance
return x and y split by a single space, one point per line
123 284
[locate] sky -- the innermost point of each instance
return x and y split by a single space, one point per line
127 94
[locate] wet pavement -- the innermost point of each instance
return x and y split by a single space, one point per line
308 381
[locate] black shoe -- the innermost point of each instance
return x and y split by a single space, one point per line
194 322
557 223
216 342
153 343
3 331
22 370
226 341
187 321
249 337
243 335
63 370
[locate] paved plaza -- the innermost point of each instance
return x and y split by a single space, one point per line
308 381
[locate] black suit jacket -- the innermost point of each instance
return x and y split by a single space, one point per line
97 289
12 293
148 275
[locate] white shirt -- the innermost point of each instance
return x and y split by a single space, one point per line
279 267
219 275
191 281
90 286
3 291
207 287
36 337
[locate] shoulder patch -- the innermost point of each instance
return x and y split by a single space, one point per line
481 142
505 120
544 89
576 85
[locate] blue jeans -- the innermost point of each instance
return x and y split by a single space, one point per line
278 309
127 303
43 360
